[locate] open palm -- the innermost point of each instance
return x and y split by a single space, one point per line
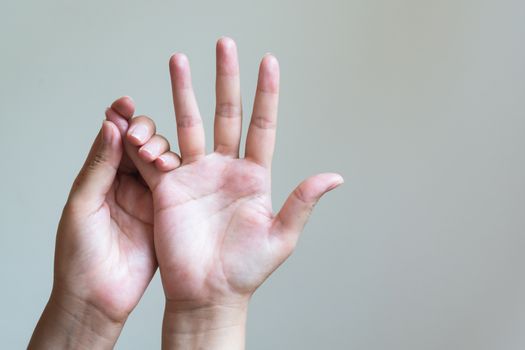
216 237
214 226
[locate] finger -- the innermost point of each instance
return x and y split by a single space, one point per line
292 217
189 123
168 161
261 132
146 168
228 109
120 112
124 106
98 173
141 129
152 149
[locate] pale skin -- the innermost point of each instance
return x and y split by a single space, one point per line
104 257
214 235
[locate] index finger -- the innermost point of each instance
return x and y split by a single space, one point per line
190 131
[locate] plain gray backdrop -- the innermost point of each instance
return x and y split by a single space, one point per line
419 104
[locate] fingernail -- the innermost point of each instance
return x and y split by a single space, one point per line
106 135
338 181
161 159
139 132
147 152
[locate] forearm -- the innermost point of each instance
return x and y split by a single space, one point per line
69 323
210 327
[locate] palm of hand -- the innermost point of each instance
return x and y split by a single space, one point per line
213 222
216 238
105 252
123 260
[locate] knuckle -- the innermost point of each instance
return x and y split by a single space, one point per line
300 195
262 122
188 121
228 110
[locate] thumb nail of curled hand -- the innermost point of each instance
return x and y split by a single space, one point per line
106 133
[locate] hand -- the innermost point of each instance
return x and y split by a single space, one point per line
216 237
104 256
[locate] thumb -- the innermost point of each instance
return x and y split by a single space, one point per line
294 214
98 172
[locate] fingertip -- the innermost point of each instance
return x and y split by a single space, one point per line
329 181
178 62
337 180
124 106
314 187
141 130
161 164
120 122
227 60
145 155
270 63
134 139
128 98
226 43
269 74
167 161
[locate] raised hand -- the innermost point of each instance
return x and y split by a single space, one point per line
216 236
104 256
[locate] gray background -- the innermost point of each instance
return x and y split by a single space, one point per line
419 104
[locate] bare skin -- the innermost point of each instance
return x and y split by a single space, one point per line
104 257
216 236
205 219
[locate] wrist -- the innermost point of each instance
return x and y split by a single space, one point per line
70 322
212 326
